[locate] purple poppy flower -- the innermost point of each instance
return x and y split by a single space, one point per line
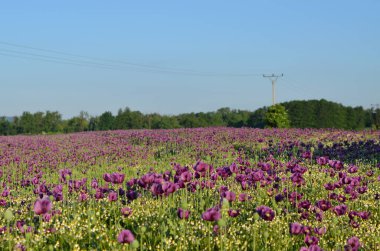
305 215
83 197
20 247
156 189
353 243
319 216
362 189
215 229
230 196
320 231
307 230
364 215
305 204
42 206
295 228
125 236
243 197
169 188
311 240
340 210
297 179
183 214
94 183
311 248
132 195
354 224
279 197
233 213
99 194
336 164
234 168
306 155
112 196
126 211
46 217
107 177
212 214
117 178
352 169
266 213
324 205
5 193
329 186
3 202
322 161
257 175
341 198
186 176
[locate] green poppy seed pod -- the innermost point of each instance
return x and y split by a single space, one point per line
256 216
222 223
184 205
51 248
266 234
28 235
312 149
225 203
135 244
143 229
8 215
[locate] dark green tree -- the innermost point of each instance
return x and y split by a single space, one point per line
106 121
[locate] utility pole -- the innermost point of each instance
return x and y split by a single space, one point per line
273 78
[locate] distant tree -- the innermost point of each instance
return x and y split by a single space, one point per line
257 118
26 123
93 124
189 120
106 121
163 122
276 116
77 124
6 127
376 118
52 122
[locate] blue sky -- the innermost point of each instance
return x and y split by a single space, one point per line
182 56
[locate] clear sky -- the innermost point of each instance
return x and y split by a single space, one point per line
182 56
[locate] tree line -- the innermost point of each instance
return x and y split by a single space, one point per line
297 114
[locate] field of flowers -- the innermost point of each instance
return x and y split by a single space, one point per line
191 189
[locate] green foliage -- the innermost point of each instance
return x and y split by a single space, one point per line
326 114
105 121
276 116
300 114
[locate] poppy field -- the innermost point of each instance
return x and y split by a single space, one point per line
191 189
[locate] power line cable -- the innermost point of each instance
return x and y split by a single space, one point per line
112 63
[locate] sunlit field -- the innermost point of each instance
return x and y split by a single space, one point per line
191 189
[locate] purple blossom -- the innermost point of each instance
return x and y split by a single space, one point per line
353 244
295 228
230 196
340 210
311 240
183 214
212 214
126 211
42 206
324 205
125 236
266 213
233 212
112 196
